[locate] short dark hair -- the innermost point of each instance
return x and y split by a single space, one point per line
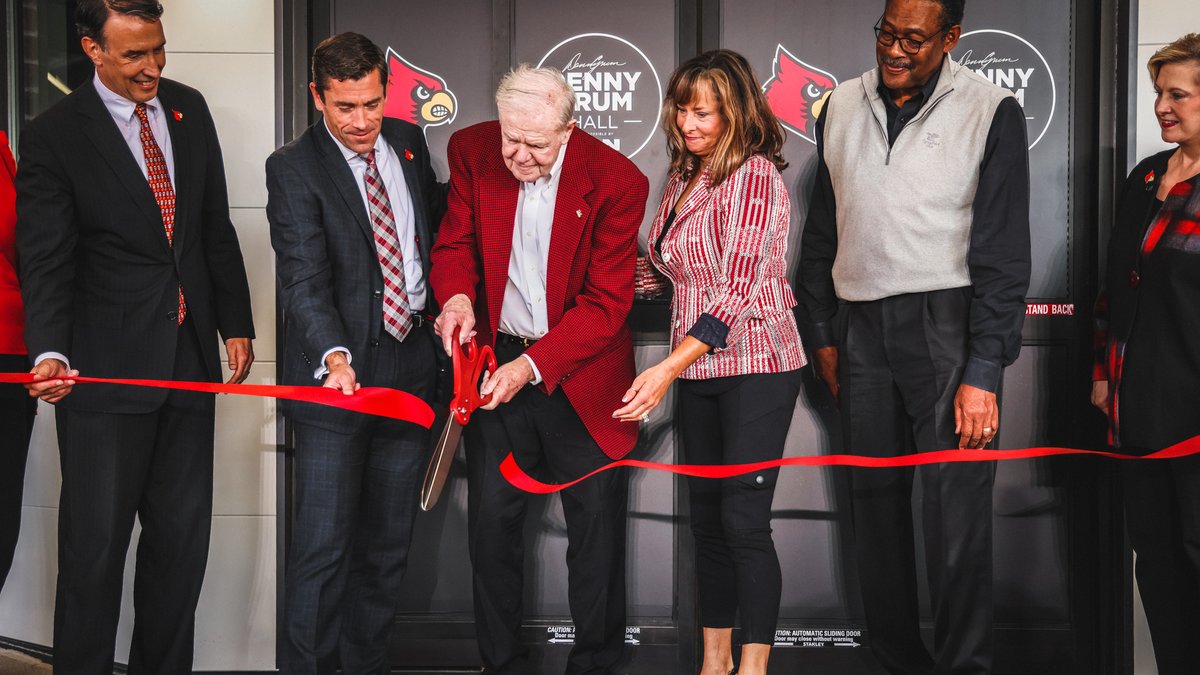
346 56
952 12
91 15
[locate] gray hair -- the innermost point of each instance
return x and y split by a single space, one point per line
526 86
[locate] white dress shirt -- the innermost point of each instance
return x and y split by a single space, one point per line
122 111
523 312
392 172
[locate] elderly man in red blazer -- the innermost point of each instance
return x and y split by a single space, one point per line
536 255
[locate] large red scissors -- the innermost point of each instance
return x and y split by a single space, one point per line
470 362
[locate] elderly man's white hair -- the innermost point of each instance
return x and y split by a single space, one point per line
526 88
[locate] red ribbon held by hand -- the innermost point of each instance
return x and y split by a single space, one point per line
380 401
523 481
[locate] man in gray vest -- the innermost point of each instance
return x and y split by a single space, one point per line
919 225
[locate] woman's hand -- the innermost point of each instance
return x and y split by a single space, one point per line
646 392
1100 395
649 387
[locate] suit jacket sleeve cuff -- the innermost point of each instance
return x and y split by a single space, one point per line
982 374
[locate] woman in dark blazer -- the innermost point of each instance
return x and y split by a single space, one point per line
16 406
1147 375
720 236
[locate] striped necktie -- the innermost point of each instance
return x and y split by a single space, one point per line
160 184
397 316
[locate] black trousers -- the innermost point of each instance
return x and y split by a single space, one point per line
737 420
157 466
17 410
355 500
901 362
549 441
1162 515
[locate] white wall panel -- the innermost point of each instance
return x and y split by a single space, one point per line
27 602
235 623
43 474
245 453
240 90
219 26
1162 21
255 238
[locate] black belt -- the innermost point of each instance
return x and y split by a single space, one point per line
515 339
418 319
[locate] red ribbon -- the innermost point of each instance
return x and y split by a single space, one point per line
523 481
380 401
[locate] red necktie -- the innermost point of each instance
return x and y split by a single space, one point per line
397 317
160 184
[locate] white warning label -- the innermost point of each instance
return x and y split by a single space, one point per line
812 637
565 635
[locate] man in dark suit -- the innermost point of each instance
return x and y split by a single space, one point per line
352 203
555 309
130 267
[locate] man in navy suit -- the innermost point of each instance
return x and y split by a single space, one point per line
352 203
130 267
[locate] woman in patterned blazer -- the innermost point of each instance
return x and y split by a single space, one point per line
720 236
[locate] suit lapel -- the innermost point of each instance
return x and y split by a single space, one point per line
670 196
98 125
696 199
571 213
334 164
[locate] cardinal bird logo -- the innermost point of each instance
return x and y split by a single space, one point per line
797 92
416 95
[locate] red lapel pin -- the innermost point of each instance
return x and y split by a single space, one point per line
408 154
178 115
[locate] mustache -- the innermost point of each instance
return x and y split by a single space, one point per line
897 63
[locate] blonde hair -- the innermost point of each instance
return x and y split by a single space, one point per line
527 86
1186 48
750 125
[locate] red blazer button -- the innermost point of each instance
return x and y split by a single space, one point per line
1134 279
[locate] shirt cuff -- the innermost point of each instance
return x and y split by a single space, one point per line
982 374
537 374
323 370
52 355
1099 372
710 330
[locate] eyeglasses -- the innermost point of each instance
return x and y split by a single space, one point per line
909 46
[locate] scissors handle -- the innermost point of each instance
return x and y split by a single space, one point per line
470 361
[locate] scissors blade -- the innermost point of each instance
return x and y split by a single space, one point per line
439 463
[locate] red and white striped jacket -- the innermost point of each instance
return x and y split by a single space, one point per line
726 255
